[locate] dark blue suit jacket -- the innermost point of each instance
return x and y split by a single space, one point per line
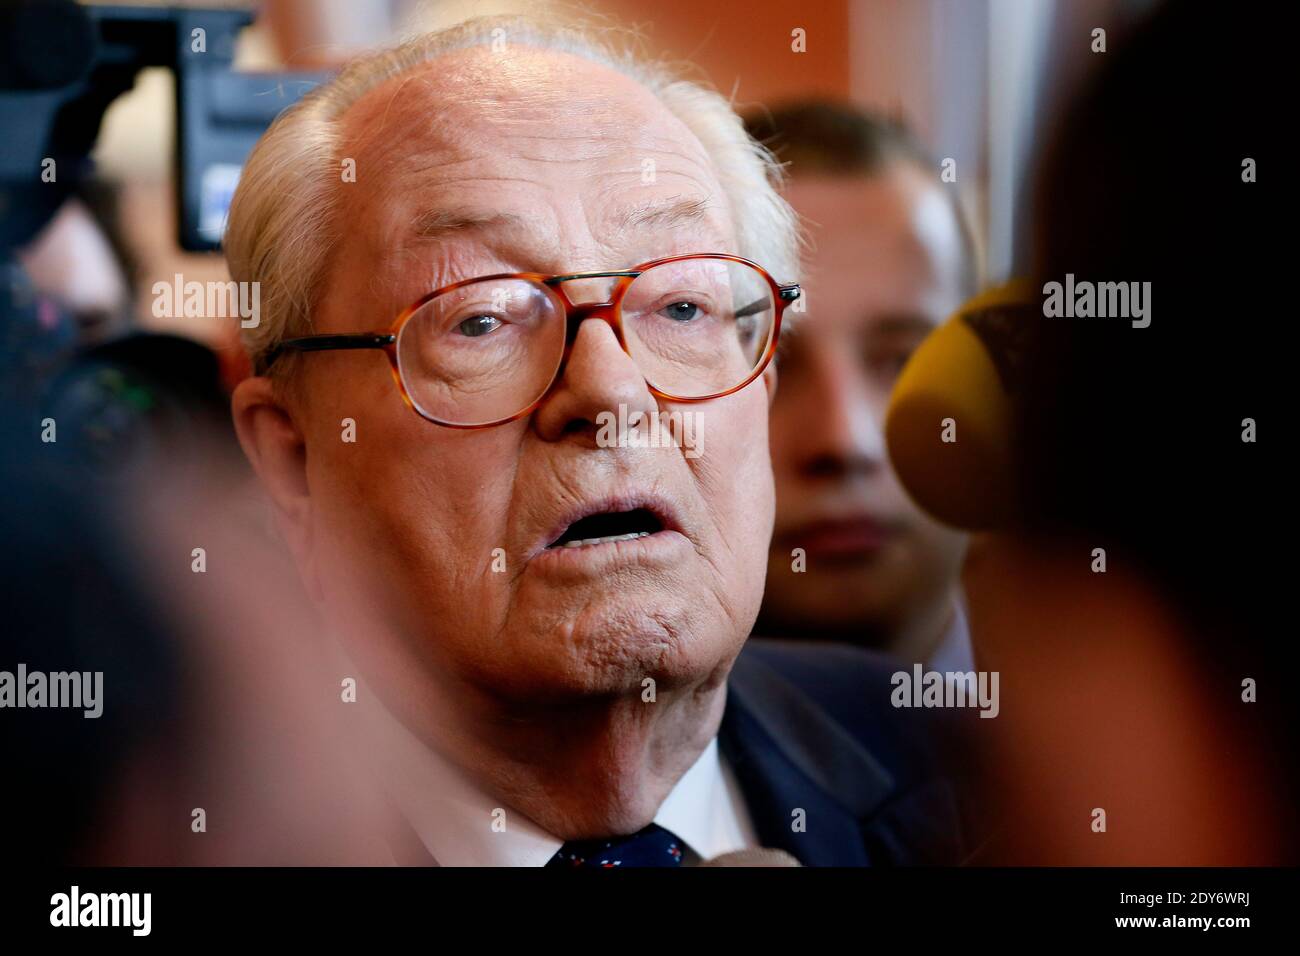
809 726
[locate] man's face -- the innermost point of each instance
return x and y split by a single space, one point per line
528 162
885 269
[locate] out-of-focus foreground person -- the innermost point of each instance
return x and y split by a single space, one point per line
1114 452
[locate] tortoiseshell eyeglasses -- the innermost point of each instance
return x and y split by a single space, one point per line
485 351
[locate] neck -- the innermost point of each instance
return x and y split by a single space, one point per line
925 632
584 768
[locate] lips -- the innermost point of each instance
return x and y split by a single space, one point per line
853 538
610 521
606 527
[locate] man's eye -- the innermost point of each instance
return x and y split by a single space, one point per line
478 325
680 311
888 365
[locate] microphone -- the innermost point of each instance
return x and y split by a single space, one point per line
759 856
951 424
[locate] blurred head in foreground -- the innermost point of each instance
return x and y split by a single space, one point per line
852 557
1124 591
140 566
505 575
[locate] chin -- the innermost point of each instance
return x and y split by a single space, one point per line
613 645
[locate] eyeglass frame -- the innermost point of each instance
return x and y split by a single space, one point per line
610 312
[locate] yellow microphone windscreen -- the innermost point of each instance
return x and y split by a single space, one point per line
951 419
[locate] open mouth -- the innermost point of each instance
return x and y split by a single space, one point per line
608 527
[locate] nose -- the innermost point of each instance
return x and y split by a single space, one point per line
598 376
842 437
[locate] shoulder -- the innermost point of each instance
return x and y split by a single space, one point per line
835 673
852 686
827 707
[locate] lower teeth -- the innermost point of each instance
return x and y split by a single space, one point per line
611 538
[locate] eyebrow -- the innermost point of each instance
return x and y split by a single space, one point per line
434 224
674 212
437 224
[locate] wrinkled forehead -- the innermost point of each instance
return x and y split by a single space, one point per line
546 141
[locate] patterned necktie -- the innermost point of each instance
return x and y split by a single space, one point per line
653 846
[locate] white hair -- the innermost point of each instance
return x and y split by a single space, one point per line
282 228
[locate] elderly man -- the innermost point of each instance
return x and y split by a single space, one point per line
474 250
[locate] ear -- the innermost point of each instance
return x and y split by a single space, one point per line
277 451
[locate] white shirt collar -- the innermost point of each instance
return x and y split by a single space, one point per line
954 653
706 808
460 825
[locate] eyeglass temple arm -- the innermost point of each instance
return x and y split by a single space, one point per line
788 294
325 343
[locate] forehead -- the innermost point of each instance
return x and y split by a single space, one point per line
547 149
890 242
899 215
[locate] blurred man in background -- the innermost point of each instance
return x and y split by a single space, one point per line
852 558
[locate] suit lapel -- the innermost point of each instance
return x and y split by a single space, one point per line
788 755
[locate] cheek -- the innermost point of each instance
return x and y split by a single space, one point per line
446 509
734 474
784 431
943 545
929 550
411 512
792 403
